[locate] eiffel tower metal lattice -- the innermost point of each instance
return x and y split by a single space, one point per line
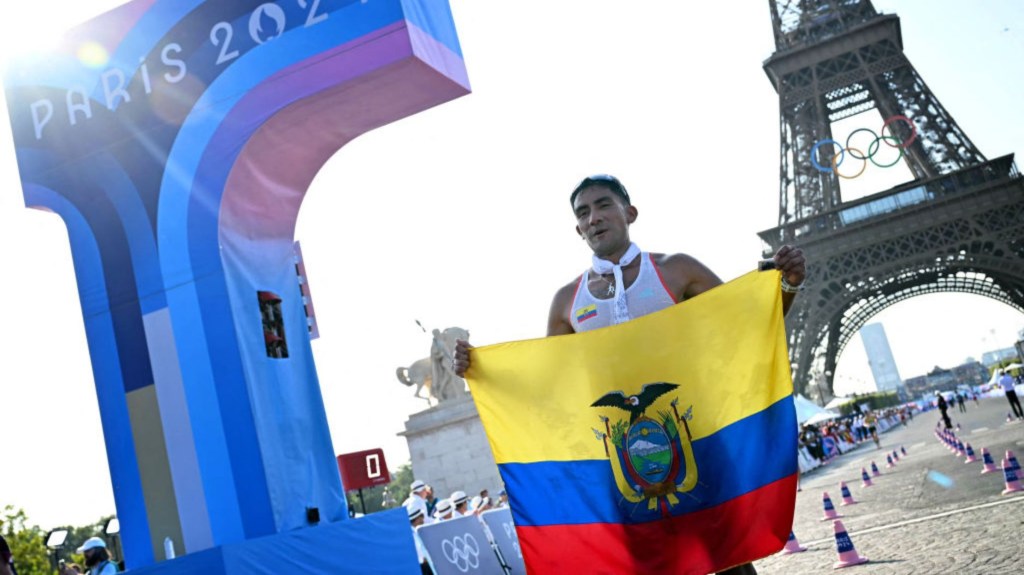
958 226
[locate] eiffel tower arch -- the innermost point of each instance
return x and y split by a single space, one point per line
957 226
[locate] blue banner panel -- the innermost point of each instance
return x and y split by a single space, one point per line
503 530
459 546
378 544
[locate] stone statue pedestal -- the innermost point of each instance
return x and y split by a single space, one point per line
449 449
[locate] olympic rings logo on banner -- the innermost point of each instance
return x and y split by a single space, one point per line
460 553
858 154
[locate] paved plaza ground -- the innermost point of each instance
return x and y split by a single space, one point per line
931 514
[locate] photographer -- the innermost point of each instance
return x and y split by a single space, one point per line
97 559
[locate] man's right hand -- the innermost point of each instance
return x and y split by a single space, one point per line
460 363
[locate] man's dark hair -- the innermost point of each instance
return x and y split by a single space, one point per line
611 182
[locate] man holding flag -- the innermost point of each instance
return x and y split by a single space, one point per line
651 450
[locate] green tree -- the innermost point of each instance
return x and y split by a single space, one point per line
373 497
401 479
26 542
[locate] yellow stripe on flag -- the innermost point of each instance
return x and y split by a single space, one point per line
726 349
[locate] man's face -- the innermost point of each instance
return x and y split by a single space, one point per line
603 219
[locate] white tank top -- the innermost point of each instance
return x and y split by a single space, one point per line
648 294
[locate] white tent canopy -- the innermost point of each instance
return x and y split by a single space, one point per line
806 409
823 416
839 402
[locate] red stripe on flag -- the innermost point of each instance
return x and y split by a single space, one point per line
741 530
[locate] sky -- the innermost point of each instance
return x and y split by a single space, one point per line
459 216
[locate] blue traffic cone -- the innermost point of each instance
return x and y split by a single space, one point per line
1010 477
989 466
844 545
847 496
792 545
830 510
865 478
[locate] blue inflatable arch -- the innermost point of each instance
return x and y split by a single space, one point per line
176 139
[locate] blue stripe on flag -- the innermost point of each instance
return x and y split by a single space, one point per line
737 459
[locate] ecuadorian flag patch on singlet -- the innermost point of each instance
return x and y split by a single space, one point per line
585 313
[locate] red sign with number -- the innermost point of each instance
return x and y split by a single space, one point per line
363 469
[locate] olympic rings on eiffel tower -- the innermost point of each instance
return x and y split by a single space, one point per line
873 148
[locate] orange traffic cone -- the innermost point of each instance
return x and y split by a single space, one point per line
847 496
986 458
847 554
903 450
970 455
792 545
1010 476
888 462
865 478
874 470
830 510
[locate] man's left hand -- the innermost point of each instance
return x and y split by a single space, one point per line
790 261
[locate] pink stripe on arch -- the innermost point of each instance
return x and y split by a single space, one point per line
423 45
327 109
281 158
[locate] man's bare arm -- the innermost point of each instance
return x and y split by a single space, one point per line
558 324
558 315
685 276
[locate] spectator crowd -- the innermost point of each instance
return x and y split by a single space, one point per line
820 443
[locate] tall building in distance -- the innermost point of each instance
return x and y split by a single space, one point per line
883 366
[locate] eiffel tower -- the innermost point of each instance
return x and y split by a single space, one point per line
958 226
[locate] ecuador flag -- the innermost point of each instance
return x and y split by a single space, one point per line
665 445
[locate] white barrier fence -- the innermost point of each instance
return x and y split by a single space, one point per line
807 462
484 545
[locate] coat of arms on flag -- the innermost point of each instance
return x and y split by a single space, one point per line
652 460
